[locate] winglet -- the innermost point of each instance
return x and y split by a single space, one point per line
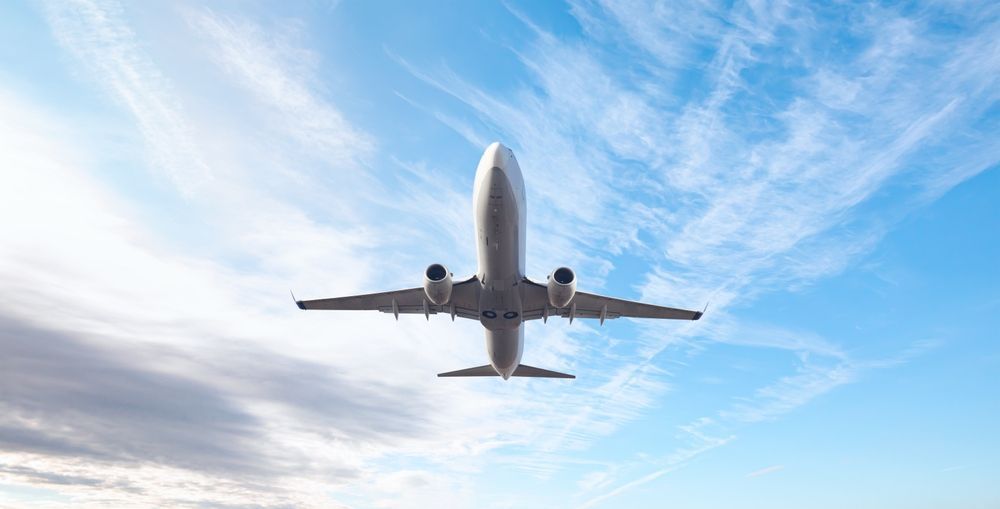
697 314
298 303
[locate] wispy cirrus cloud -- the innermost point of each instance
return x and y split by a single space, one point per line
766 470
179 314
279 73
148 327
699 442
93 32
747 186
134 390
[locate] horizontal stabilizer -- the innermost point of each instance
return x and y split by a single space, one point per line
522 370
531 371
486 370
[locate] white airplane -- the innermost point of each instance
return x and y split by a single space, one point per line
499 295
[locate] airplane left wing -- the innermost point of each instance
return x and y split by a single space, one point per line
464 302
588 305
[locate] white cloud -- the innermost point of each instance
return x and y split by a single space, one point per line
80 267
721 203
93 32
751 189
186 315
279 73
83 265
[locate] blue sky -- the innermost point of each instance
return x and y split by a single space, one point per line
824 175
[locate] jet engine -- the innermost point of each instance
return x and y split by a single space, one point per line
562 287
437 284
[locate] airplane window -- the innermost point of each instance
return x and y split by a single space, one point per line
510 314
489 314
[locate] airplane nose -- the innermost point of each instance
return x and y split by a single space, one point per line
495 156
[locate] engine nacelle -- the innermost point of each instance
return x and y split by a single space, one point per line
437 284
562 287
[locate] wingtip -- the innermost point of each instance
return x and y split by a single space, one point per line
698 314
298 303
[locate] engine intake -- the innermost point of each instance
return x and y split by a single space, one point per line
561 287
437 284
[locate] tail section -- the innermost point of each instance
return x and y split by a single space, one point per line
522 370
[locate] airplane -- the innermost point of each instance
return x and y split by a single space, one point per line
499 295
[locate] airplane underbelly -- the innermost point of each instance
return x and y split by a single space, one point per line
499 215
498 241
498 235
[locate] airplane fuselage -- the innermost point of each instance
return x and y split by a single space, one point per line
500 209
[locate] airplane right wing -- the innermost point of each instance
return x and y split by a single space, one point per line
588 305
464 302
